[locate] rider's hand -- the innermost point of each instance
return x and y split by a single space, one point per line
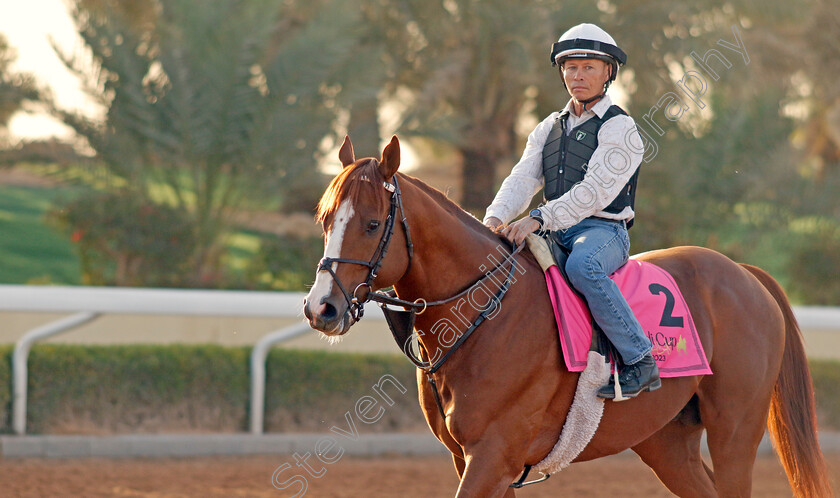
493 223
516 232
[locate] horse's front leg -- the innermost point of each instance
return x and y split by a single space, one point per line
488 471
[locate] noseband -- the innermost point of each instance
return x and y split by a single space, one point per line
355 302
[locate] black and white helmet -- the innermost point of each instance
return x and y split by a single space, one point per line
588 41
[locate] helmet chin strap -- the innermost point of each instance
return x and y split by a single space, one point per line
590 100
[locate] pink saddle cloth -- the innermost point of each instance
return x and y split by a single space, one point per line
659 306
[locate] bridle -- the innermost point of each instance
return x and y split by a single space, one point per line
355 302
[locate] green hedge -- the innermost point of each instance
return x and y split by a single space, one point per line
312 390
142 388
205 388
150 388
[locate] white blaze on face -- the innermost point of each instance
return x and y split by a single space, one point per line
324 280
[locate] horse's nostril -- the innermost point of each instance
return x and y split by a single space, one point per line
329 312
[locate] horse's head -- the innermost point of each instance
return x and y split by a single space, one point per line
358 213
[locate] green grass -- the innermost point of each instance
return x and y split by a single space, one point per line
31 251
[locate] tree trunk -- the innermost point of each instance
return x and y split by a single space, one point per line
478 180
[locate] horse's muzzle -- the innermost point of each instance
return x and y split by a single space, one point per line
327 318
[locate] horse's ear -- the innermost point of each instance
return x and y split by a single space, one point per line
345 153
390 158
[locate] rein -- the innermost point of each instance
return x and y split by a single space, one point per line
422 304
401 322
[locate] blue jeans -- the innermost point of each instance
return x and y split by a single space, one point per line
598 248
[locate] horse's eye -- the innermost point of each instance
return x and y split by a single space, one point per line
373 226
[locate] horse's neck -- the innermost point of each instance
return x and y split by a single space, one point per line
451 250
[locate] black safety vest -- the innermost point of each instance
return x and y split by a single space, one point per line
565 158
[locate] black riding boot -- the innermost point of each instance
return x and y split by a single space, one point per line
634 379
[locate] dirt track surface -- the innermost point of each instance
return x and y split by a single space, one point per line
623 475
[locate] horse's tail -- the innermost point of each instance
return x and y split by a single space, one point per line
793 421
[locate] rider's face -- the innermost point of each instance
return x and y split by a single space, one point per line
585 78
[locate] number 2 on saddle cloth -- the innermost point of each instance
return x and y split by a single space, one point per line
656 302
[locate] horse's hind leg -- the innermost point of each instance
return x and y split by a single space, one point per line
733 442
734 403
674 455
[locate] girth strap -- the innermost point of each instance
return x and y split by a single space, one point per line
521 481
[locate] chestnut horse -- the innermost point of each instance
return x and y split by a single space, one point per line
503 396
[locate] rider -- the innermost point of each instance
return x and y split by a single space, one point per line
587 158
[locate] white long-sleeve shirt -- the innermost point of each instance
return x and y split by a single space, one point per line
618 155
